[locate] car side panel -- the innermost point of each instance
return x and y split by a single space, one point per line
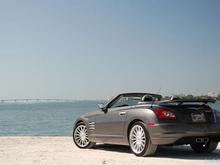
143 114
110 125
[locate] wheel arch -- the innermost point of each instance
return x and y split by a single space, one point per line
79 120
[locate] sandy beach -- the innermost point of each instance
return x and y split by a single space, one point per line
62 151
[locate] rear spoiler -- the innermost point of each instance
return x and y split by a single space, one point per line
181 101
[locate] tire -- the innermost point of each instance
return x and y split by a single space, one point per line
139 140
204 148
80 137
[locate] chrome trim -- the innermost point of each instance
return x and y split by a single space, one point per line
92 126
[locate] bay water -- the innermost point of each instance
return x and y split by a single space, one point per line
42 119
45 119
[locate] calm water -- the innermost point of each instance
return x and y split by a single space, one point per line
44 118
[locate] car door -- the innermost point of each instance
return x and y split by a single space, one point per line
109 125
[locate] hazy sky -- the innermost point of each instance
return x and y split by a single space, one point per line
95 49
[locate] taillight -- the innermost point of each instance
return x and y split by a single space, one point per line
217 115
164 114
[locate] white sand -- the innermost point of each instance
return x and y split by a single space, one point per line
62 151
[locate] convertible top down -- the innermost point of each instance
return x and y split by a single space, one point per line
144 121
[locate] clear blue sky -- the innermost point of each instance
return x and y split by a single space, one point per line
95 49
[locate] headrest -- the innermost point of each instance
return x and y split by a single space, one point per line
147 98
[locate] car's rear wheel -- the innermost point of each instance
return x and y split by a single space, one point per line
204 147
80 136
139 140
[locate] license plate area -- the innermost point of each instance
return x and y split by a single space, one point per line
198 117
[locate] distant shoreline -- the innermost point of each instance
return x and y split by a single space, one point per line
33 101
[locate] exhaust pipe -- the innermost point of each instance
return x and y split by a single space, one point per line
202 140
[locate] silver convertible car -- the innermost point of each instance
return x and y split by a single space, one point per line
144 121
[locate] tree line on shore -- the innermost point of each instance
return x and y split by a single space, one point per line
190 96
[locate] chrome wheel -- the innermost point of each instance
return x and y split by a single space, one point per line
137 139
81 136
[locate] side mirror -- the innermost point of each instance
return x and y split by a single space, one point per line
102 107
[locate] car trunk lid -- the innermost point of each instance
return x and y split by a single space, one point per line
192 112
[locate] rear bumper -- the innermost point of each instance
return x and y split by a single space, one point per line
164 134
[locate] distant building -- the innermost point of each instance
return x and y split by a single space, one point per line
213 94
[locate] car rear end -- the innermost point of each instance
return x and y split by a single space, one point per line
184 122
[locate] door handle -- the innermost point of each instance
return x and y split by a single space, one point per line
122 113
